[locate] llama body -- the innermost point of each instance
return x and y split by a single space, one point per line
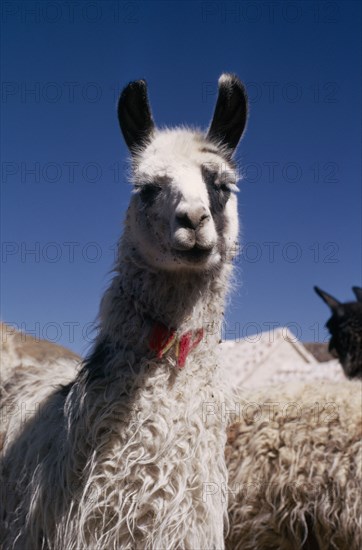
121 456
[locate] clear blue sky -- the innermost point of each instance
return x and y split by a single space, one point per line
63 191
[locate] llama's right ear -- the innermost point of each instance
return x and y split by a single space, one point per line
134 115
230 115
334 304
358 293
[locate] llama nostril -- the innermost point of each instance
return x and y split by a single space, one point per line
204 217
184 221
192 219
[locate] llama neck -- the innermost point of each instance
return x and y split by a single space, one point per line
140 413
139 297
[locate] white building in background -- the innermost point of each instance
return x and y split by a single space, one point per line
272 358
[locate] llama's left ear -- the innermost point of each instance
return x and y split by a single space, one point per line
333 303
229 120
134 115
358 293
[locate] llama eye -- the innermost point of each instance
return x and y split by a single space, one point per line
218 189
224 188
149 192
227 182
224 194
219 195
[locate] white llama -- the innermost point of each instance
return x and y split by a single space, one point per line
121 457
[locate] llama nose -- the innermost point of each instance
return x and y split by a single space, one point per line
192 218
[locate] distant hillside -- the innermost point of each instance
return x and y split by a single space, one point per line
26 345
319 351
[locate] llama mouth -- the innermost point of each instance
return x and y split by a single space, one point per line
194 254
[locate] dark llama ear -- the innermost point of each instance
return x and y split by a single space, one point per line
134 115
358 293
334 304
231 111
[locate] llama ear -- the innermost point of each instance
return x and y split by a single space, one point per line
134 115
230 115
334 304
358 293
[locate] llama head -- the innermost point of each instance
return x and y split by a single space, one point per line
345 327
183 210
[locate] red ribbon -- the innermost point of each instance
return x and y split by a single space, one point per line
162 339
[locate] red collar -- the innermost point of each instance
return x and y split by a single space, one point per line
162 339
